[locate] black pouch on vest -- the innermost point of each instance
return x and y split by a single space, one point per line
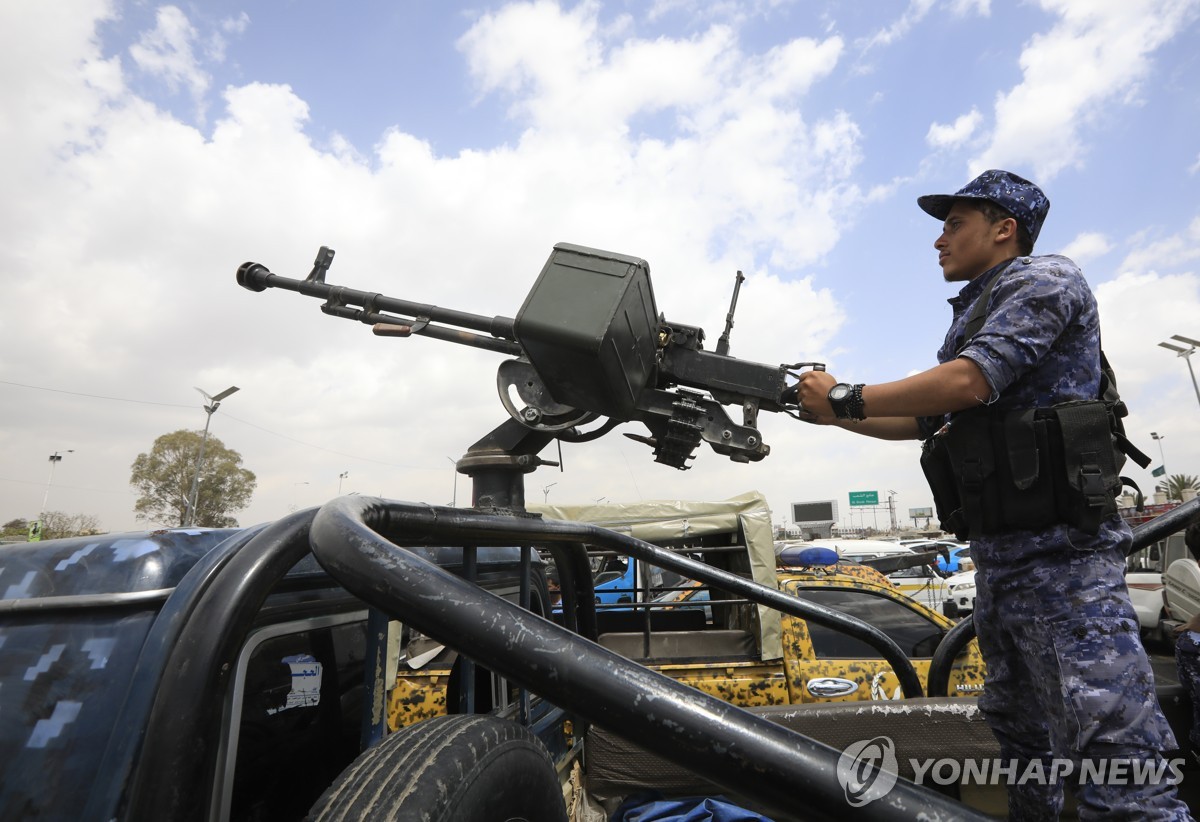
939 473
972 455
1087 479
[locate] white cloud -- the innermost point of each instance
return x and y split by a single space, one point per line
1156 294
701 152
1086 247
963 8
955 134
1092 60
166 52
160 215
913 14
1167 253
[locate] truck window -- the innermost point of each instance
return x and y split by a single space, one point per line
295 716
916 634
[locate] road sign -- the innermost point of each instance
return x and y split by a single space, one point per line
864 497
1157 472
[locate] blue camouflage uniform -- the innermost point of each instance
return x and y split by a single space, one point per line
1187 659
1067 673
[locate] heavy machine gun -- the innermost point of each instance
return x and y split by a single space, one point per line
587 343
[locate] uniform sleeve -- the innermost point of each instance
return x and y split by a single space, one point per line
1029 310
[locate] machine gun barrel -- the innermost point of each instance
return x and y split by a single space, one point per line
369 307
588 342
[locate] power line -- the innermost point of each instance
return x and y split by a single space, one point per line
317 447
226 416
92 396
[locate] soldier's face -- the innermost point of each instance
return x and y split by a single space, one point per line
969 245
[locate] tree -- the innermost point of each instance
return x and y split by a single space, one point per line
1175 485
163 479
19 524
56 525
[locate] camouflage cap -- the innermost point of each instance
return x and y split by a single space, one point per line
1021 198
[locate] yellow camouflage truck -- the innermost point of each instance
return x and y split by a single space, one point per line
786 667
747 654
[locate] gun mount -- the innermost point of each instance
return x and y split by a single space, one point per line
587 343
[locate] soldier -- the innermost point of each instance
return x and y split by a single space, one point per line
1020 456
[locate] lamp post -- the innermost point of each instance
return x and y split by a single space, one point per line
341 477
1159 438
1186 353
293 507
55 459
546 492
210 409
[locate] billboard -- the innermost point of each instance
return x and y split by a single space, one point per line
818 511
920 513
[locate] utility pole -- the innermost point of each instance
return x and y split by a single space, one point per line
1159 438
55 459
35 530
190 516
1186 353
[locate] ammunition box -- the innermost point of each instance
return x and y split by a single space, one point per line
589 327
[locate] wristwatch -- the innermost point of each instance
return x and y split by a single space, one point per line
846 401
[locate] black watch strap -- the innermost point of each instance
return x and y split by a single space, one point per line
850 406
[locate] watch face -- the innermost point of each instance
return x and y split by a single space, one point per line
839 392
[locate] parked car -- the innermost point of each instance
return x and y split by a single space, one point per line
1144 576
923 584
916 581
954 556
960 594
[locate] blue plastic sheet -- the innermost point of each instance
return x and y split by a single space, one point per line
653 808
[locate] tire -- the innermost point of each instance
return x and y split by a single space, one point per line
448 769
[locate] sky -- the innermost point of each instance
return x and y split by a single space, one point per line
443 149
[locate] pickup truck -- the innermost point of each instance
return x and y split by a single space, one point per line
245 674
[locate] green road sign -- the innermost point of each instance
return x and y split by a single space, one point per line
864 497
1157 472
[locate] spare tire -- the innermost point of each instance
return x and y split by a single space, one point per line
449 769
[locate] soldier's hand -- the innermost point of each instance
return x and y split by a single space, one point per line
813 391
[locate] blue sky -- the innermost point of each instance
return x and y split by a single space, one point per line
443 149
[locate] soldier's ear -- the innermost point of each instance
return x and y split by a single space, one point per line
1006 229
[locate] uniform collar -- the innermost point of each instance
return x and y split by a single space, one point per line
974 288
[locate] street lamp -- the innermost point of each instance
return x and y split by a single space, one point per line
295 485
546 492
1159 438
55 459
210 409
1186 353
341 477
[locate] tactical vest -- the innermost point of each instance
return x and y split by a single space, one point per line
993 471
